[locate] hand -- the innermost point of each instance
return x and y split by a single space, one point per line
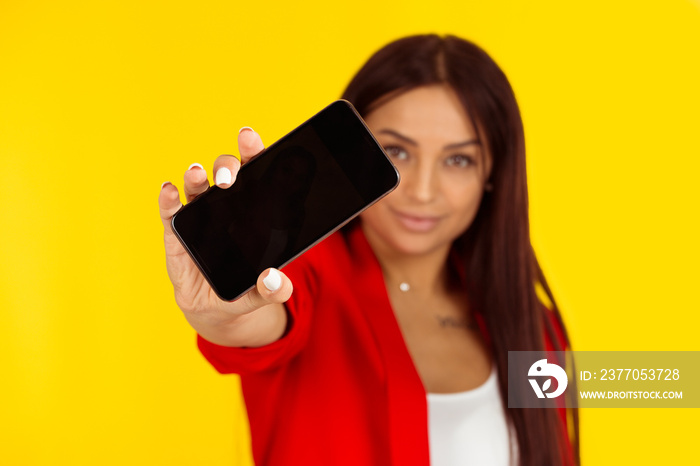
201 305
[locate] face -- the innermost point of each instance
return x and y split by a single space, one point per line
443 168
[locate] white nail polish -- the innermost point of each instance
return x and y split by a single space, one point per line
195 165
163 185
273 281
223 176
245 127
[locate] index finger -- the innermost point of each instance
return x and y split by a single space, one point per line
249 143
226 166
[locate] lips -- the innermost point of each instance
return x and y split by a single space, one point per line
417 223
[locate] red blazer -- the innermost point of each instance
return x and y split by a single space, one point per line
340 388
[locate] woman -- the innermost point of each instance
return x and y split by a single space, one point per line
393 347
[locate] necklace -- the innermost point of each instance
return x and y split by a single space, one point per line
403 286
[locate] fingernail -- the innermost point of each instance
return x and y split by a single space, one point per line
195 165
223 176
273 281
245 127
163 185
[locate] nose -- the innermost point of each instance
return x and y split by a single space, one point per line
420 183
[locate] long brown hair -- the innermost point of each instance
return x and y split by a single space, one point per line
500 264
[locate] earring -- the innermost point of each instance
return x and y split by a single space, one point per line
488 186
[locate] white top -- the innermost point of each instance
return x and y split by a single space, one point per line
468 428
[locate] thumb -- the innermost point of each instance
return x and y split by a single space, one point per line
272 287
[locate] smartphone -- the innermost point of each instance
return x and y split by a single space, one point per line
285 200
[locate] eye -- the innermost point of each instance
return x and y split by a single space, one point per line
459 160
396 152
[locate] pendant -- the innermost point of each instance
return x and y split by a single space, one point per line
403 286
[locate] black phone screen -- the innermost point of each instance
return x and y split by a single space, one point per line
293 194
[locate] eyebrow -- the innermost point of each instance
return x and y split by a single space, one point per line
414 143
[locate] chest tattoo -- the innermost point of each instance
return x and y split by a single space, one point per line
452 322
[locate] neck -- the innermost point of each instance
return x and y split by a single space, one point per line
426 274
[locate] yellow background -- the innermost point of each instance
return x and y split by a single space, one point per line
100 102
